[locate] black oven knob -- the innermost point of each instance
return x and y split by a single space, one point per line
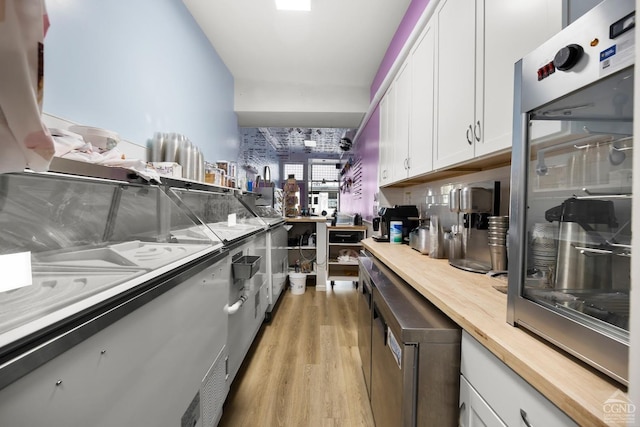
567 57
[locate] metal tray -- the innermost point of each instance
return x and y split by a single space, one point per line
246 266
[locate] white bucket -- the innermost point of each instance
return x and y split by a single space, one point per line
297 283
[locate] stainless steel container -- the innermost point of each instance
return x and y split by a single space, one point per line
454 200
170 148
476 200
199 173
436 238
156 147
585 226
419 239
186 158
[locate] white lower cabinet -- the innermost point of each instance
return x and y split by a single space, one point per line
497 396
474 411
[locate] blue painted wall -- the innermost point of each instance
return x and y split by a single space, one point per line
137 67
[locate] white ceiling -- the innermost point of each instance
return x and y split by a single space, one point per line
300 69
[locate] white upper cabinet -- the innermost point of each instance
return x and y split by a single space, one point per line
406 115
386 127
455 82
452 99
400 144
420 158
512 29
477 47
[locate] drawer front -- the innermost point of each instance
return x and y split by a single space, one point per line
345 236
504 390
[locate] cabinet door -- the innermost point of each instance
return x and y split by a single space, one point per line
474 411
383 153
455 77
491 379
534 22
400 142
421 118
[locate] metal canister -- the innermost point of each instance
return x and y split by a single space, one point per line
199 172
585 225
156 147
186 158
170 148
454 200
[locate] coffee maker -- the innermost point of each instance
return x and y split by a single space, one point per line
477 204
407 214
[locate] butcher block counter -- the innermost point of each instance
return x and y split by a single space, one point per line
471 300
305 219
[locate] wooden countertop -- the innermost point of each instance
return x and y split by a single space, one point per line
347 227
472 302
306 219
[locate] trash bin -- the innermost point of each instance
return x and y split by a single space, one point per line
297 283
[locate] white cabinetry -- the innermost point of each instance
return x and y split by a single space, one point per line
406 115
474 411
533 23
400 139
420 158
455 82
477 46
502 391
386 128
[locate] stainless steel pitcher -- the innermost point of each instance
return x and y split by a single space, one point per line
583 261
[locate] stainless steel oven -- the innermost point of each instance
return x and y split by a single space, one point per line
571 192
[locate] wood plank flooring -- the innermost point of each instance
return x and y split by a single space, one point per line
304 367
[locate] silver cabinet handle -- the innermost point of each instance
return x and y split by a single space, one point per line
469 132
408 163
523 415
477 131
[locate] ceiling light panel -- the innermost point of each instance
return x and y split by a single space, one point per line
303 5
309 143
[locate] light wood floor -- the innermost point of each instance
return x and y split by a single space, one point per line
304 367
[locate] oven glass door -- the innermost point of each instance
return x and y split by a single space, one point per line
578 198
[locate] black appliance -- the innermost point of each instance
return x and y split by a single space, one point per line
345 236
408 214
